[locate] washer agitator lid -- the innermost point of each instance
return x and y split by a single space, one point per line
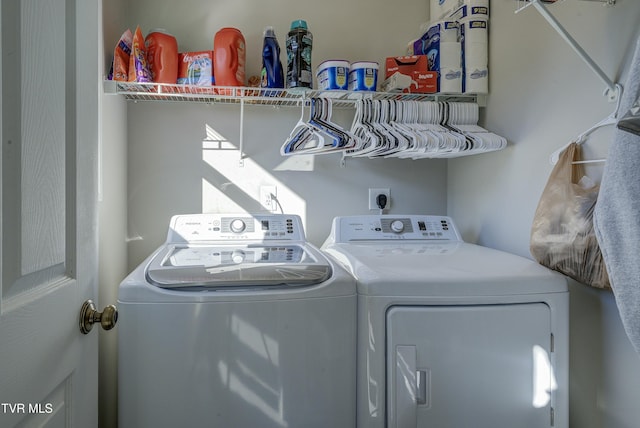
212 251
235 266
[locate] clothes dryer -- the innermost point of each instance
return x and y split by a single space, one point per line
452 334
237 321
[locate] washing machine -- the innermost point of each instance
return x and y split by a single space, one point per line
452 334
237 321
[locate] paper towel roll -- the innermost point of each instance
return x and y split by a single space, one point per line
476 54
474 30
476 80
466 11
477 3
450 80
438 32
450 55
441 8
448 31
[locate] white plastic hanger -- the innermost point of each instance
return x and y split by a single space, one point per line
612 119
308 137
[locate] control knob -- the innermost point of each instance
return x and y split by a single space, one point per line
238 256
237 225
397 226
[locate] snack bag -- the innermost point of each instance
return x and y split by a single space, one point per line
562 234
138 68
121 56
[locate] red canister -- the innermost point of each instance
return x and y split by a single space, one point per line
162 56
229 57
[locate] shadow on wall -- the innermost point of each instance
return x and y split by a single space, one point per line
226 187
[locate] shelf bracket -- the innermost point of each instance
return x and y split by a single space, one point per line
241 135
611 91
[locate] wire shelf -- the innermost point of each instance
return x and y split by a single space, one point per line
263 96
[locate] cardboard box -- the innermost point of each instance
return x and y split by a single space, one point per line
196 68
410 74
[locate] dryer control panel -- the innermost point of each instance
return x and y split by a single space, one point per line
394 227
240 227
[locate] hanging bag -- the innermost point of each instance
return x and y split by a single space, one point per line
562 235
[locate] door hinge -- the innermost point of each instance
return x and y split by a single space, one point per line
553 416
552 344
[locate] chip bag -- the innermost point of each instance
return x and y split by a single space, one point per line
121 57
138 67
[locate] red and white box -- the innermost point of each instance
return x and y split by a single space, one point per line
409 74
195 68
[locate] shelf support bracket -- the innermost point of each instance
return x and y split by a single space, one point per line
611 92
241 135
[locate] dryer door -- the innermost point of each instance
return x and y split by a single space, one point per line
484 366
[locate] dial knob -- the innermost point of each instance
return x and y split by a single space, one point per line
238 256
237 226
397 226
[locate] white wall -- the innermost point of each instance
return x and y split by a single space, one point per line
171 173
542 96
112 243
112 216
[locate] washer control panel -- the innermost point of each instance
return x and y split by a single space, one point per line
390 227
241 227
211 256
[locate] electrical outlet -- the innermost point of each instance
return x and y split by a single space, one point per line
269 198
373 195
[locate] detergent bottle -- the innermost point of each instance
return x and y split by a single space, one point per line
299 44
162 56
271 75
229 57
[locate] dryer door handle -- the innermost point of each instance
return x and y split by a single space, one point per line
411 388
422 381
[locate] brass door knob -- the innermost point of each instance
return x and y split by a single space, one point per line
89 315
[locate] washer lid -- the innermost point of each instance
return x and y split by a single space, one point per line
256 266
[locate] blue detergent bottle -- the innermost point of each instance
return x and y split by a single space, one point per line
271 75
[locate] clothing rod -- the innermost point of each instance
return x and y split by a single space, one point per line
612 91
589 161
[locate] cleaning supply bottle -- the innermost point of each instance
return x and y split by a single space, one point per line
162 56
299 44
271 75
229 57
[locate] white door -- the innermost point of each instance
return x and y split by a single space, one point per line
48 215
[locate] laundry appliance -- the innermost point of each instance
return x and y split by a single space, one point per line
452 334
237 321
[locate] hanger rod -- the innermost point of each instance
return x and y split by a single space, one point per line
611 91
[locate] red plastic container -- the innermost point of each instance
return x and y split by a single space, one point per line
229 57
162 56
